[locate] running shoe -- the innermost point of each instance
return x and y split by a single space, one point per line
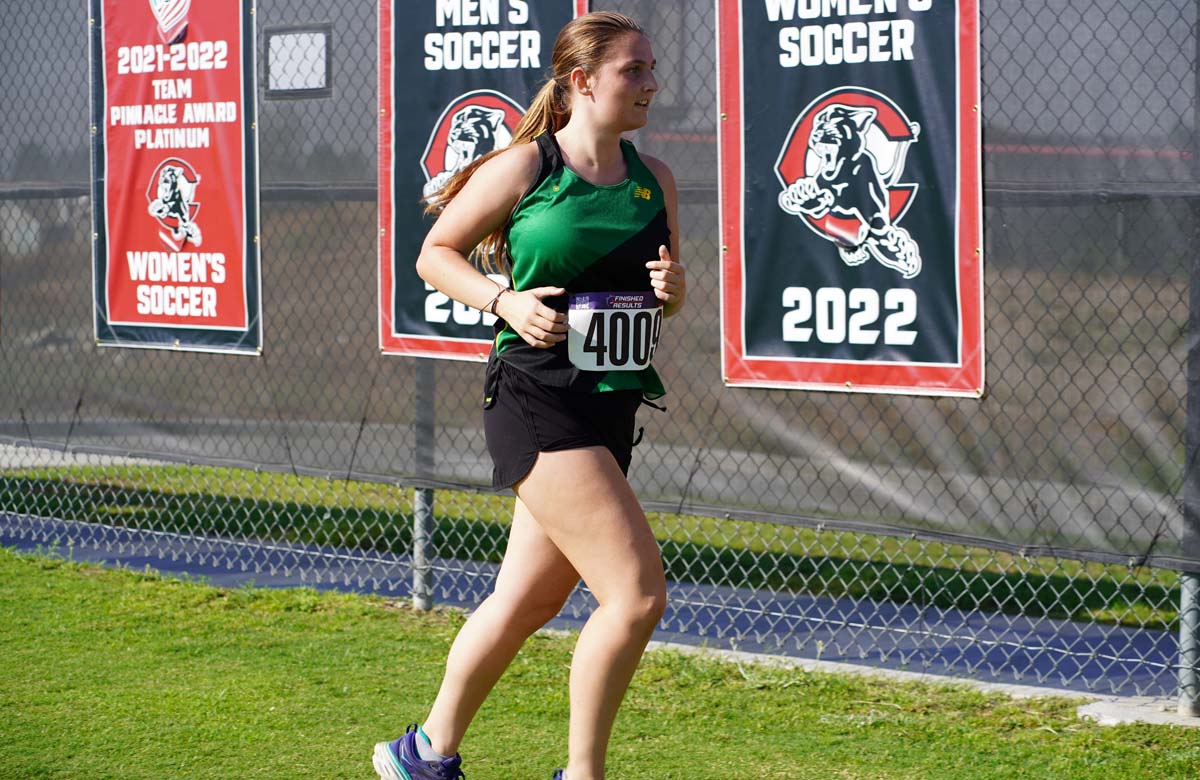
558 774
398 760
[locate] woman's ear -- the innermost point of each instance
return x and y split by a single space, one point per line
581 82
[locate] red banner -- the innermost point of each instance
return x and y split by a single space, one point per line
175 180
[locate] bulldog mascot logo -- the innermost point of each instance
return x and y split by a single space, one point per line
471 126
172 197
841 171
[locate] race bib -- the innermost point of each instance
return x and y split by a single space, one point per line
613 331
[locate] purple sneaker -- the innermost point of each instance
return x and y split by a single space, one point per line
558 774
398 760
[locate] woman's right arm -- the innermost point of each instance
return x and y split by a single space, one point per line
482 206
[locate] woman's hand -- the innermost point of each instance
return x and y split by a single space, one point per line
668 280
537 323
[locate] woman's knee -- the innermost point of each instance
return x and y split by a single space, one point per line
528 615
654 607
657 606
538 615
642 611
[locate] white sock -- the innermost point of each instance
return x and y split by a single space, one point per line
425 750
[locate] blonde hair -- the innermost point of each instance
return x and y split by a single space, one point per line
583 43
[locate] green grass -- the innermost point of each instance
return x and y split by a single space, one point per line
695 549
120 674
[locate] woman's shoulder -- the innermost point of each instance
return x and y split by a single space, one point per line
661 171
516 159
512 168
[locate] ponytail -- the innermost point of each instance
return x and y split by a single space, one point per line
547 113
584 42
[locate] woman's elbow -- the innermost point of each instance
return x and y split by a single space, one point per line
426 263
422 267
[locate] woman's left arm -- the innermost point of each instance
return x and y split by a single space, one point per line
666 273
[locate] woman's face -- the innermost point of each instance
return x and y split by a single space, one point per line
624 85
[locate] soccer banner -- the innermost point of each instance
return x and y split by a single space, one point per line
455 77
850 195
174 175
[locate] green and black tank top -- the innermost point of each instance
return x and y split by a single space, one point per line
567 232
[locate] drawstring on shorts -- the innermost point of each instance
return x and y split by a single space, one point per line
642 429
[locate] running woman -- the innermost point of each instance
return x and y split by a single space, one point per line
589 229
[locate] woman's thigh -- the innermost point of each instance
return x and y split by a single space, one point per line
583 503
534 573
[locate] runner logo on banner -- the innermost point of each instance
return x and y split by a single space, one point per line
454 78
850 195
174 175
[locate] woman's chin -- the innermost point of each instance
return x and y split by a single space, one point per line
638 121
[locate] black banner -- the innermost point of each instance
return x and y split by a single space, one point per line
850 195
455 79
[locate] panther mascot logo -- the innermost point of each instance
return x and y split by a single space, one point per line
471 126
841 171
172 197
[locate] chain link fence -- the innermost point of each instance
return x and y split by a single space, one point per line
1039 534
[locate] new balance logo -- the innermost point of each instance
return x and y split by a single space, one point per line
641 192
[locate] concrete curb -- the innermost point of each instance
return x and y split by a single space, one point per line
1117 710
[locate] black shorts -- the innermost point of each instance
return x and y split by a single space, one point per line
524 417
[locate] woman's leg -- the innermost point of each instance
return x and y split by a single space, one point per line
534 581
585 506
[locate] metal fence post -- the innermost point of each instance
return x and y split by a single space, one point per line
424 417
1189 598
1189 646
1189 591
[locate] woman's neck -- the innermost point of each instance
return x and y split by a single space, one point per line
593 154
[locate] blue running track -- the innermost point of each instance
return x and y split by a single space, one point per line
991 647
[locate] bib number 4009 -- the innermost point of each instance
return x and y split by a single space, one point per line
623 339
613 331
837 316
